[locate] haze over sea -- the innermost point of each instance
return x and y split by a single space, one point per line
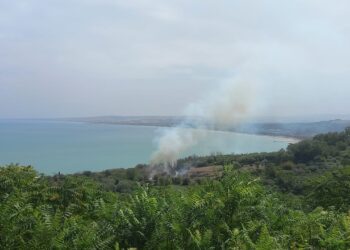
68 147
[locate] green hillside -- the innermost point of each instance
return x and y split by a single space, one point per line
298 198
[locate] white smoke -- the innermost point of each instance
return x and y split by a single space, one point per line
223 108
173 142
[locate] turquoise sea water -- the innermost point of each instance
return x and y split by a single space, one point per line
68 147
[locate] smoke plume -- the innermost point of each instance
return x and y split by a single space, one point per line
224 108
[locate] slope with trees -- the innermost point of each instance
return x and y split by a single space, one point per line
293 199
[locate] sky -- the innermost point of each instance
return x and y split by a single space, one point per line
65 58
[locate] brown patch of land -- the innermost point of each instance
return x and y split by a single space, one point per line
205 172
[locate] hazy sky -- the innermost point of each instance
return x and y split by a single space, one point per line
127 57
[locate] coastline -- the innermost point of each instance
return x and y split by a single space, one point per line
277 137
283 131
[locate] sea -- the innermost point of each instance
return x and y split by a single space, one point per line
52 146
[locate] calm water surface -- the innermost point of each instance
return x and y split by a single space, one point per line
68 147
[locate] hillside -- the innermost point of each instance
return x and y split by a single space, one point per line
296 198
299 130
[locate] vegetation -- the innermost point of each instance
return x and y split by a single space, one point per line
298 198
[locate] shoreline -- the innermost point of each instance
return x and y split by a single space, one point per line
281 138
69 163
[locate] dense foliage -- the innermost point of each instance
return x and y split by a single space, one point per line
297 198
